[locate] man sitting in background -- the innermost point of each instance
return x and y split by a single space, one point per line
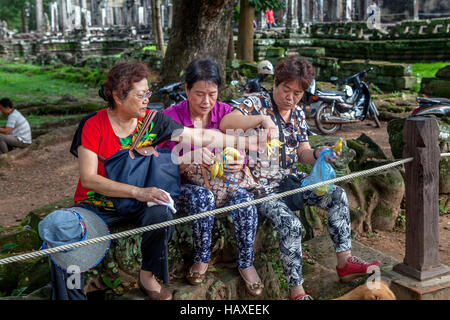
17 132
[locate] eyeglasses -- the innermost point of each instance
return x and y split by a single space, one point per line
144 96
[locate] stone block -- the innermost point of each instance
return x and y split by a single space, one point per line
384 68
443 73
406 288
435 87
275 52
311 51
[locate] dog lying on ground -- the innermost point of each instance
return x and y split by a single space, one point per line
365 292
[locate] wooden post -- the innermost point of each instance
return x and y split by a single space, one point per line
422 197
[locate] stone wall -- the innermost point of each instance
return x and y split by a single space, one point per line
407 41
438 86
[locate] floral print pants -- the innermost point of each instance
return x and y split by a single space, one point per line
290 229
196 199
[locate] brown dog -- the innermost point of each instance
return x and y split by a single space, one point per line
363 292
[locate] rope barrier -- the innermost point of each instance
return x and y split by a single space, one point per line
165 224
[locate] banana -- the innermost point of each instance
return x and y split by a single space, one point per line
220 170
230 154
274 143
338 146
214 170
229 151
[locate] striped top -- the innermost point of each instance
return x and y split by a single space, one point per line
21 127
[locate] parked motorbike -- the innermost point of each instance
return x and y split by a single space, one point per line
333 108
175 92
432 106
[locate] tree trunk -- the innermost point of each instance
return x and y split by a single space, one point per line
157 25
200 29
24 20
245 34
230 51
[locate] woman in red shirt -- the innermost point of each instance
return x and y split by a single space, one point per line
104 133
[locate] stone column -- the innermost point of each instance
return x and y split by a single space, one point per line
348 10
39 16
77 16
169 14
320 10
301 10
292 17
163 16
62 13
54 16
416 9
338 15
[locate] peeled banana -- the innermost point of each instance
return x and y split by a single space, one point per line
338 146
274 143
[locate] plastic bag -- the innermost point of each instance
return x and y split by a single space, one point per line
321 171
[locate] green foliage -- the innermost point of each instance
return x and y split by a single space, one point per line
18 292
263 5
113 286
421 70
23 83
6 248
11 10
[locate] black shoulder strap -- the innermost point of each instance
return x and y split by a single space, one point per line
280 131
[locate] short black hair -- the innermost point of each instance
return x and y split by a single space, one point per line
7 103
202 70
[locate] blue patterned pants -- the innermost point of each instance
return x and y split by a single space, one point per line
290 229
196 199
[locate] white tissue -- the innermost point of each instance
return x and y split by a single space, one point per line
170 204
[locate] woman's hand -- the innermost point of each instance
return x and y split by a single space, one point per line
151 194
270 127
327 158
234 166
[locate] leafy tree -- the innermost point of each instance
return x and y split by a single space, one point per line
11 12
21 14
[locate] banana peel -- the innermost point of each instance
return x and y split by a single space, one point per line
274 143
338 146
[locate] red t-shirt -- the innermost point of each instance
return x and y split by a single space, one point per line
97 135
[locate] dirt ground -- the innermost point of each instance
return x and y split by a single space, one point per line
51 174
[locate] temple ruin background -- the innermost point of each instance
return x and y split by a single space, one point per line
66 15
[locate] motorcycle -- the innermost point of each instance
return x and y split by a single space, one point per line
432 106
333 108
175 92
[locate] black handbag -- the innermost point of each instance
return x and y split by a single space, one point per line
148 167
289 182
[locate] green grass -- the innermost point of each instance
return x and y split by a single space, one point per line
428 69
421 70
26 87
36 120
